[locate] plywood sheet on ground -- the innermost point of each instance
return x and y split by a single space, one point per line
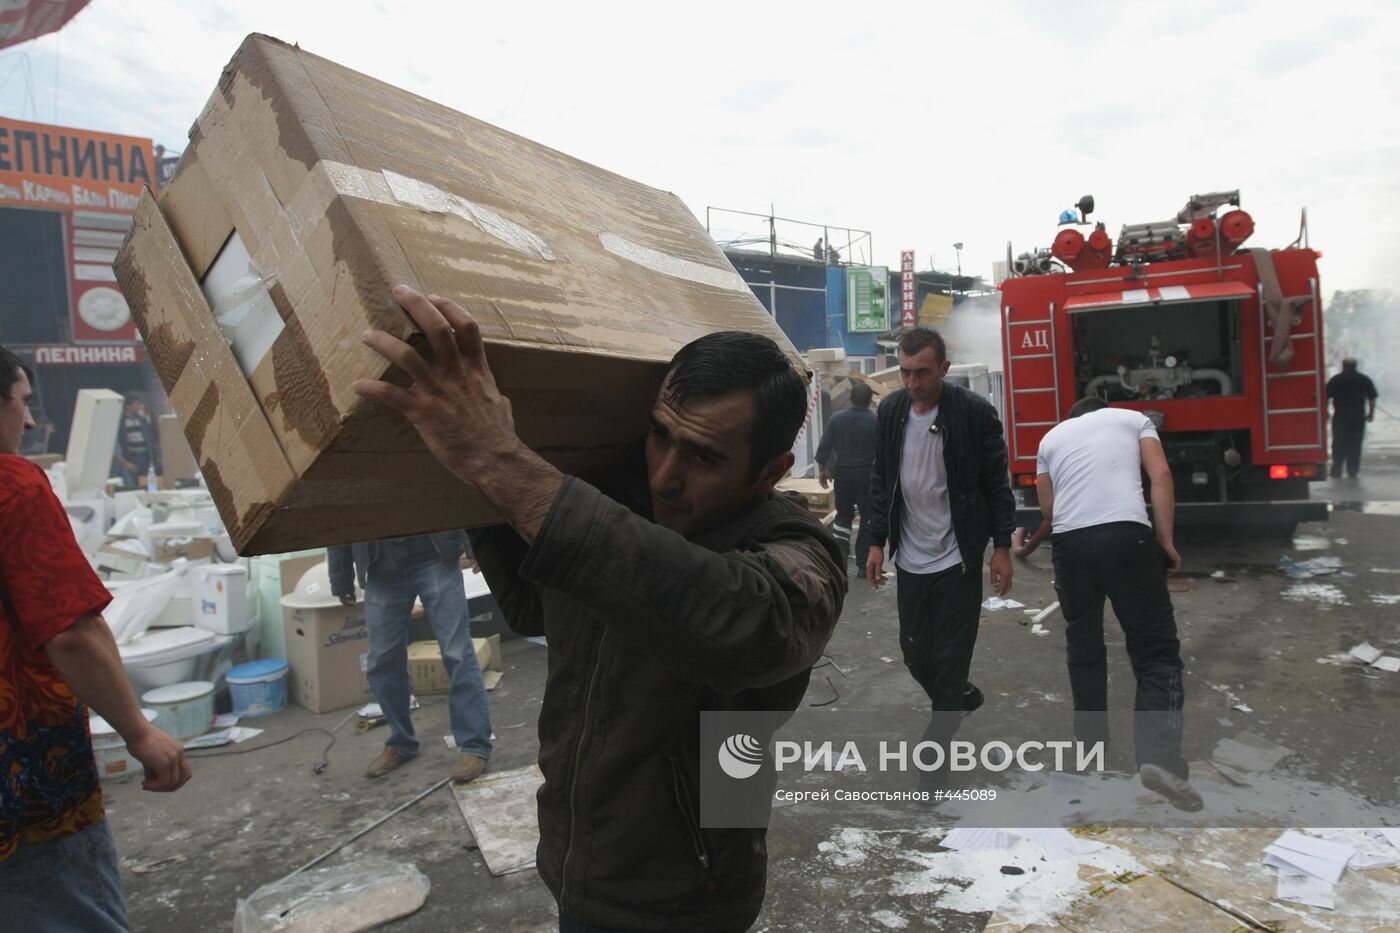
500 811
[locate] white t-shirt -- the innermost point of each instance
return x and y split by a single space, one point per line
926 540
1095 467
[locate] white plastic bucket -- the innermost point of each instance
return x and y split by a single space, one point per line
114 762
183 710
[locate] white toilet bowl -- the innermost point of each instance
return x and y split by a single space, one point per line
165 656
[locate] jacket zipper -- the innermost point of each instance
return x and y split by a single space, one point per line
894 493
578 760
948 455
691 823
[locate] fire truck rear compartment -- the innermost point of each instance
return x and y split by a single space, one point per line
1151 352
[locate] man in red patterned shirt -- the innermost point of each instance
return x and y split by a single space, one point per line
58 865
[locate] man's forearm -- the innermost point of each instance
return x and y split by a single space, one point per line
86 655
1164 509
522 485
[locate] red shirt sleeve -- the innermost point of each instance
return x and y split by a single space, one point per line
47 580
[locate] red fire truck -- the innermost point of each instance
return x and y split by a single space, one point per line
1221 346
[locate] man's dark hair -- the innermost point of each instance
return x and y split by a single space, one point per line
920 339
732 361
1349 363
10 368
1087 404
861 394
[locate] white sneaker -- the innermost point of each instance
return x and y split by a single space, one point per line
1178 791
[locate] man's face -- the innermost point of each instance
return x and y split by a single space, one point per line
14 415
698 462
923 374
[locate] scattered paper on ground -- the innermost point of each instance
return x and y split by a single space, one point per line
1317 857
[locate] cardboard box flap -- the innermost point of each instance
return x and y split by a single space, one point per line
232 442
546 249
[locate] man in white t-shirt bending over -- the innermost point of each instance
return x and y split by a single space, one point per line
1090 487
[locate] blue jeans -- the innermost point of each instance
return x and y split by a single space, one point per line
388 605
68 885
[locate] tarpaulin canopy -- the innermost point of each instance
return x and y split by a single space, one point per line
22 20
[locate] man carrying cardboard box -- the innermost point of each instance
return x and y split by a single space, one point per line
395 572
58 864
701 590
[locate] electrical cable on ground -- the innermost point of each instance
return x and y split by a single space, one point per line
835 694
317 769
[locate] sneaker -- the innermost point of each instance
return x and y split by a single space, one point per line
1177 790
468 768
387 760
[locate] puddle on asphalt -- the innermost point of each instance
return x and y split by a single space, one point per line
1370 508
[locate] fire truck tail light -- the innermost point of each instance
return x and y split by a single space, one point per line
1278 471
1307 471
1026 479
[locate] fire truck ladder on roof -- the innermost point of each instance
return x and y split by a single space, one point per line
1315 373
1012 358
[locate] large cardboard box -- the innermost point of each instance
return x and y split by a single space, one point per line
325 648
306 192
429 676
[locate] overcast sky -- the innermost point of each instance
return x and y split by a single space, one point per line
925 123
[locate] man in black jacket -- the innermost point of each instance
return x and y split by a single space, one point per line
846 454
940 489
1353 397
704 592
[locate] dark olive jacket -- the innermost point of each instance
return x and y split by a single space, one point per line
645 629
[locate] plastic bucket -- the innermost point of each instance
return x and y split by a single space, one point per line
258 688
183 710
114 762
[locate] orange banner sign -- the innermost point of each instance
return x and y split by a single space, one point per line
57 168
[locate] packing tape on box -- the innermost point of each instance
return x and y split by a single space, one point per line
674 266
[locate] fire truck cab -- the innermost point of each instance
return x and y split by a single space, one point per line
1221 346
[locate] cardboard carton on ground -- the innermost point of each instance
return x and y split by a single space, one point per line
429 676
177 464
818 499
324 651
306 192
168 550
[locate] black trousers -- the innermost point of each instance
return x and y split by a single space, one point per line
852 493
1346 445
938 617
1122 562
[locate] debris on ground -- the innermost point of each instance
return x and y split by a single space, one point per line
1313 567
1245 753
1323 593
499 810
340 899
996 604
